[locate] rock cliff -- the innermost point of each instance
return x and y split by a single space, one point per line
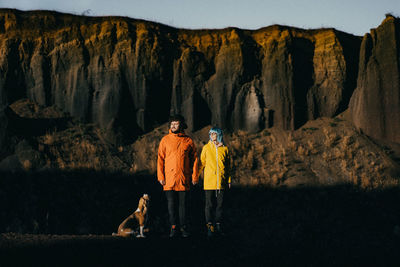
375 105
128 75
3 131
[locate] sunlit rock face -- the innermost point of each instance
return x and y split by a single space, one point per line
129 75
375 105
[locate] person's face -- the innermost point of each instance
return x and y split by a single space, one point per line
175 126
213 137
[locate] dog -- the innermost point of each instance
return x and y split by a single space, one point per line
128 227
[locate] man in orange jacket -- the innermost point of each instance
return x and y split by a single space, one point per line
177 169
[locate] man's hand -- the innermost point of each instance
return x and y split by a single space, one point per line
195 182
229 185
162 182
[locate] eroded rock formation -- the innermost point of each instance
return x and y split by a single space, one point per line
375 105
129 75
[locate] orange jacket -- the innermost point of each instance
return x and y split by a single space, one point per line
177 163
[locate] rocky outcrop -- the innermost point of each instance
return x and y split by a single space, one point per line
3 131
274 76
375 105
128 75
307 74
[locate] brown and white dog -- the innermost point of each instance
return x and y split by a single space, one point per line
128 227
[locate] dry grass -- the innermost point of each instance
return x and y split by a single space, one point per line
48 139
323 151
79 148
27 165
326 153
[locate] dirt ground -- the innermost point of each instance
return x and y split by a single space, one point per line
332 226
324 195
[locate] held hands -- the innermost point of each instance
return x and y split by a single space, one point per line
163 182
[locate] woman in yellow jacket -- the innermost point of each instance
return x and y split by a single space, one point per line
215 161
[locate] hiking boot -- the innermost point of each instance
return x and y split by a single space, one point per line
140 236
172 233
184 232
210 230
218 229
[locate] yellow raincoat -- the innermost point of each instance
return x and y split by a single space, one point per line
216 176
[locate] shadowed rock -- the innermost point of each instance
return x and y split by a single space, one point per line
29 127
3 131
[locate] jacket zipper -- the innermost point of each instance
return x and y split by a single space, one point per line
216 157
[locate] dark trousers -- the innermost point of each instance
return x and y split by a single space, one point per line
174 205
214 205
